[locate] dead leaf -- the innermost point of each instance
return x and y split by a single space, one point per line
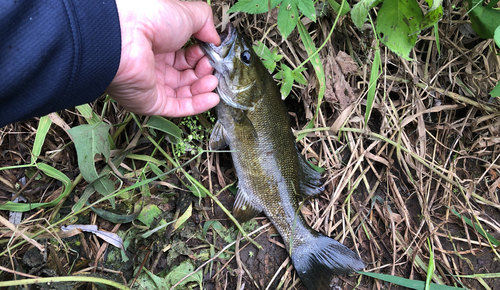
338 89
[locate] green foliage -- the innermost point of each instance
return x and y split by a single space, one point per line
288 14
432 16
166 126
317 65
253 6
359 12
496 36
411 284
285 73
41 133
478 228
148 214
181 271
370 96
288 76
184 217
196 133
269 58
431 267
496 91
342 8
91 140
398 21
484 19
48 170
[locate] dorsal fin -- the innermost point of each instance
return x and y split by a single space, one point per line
244 208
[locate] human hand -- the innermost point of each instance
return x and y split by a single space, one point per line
156 76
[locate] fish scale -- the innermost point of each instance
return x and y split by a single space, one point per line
272 175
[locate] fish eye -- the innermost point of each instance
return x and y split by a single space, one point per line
246 57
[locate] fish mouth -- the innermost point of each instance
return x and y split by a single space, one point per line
221 59
217 54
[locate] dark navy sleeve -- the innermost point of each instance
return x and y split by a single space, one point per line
55 54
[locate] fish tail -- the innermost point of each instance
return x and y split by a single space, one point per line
319 259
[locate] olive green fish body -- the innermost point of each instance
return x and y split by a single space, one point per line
273 177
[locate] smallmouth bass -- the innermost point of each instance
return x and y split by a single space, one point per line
273 176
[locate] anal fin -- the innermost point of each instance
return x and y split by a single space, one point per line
244 208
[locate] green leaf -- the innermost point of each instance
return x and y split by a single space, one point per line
484 19
433 15
478 229
166 126
113 217
436 35
285 74
359 12
163 224
156 170
181 271
318 68
307 8
148 214
89 141
105 186
317 168
397 22
206 226
223 232
195 189
288 77
269 58
495 93
148 280
88 114
298 77
184 217
87 193
253 6
51 172
336 7
496 36
288 16
370 96
431 267
41 133
54 173
412 284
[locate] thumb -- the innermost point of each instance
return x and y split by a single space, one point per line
203 22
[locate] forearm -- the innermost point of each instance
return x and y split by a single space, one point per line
55 54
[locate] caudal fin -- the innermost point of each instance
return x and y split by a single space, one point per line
317 261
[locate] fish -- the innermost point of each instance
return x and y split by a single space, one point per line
273 177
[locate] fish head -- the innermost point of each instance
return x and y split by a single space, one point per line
236 67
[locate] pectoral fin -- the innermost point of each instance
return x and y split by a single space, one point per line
218 137
247 131
244 208
310 179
